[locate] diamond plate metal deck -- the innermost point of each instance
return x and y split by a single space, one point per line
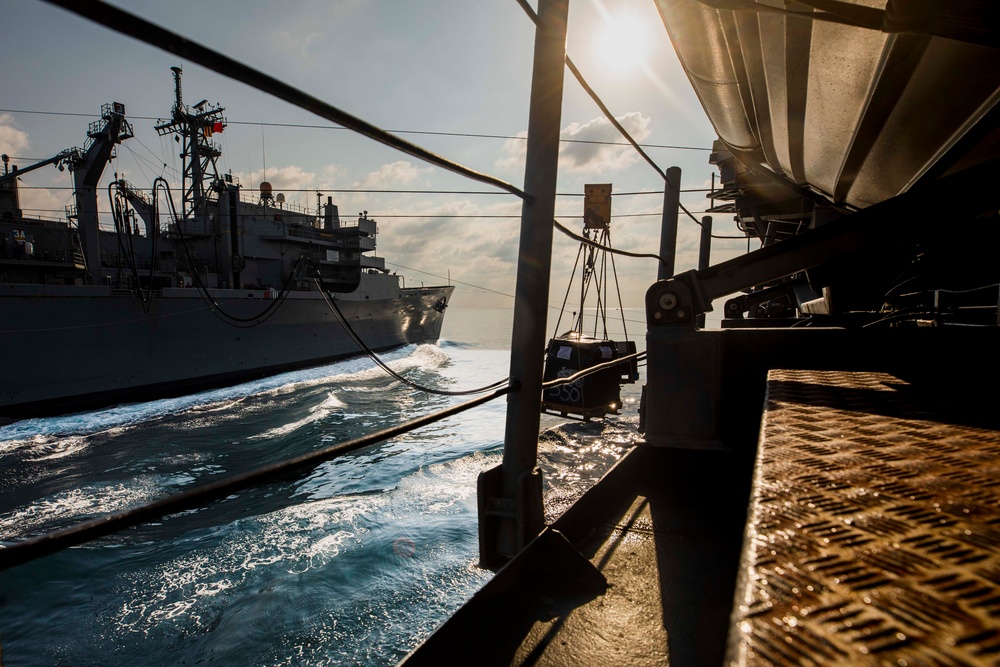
874 530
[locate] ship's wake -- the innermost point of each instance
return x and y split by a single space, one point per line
316 414
74 504
358 556
351 562
208 406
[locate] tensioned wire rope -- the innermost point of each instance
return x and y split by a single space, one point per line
552 304
152 34
628 137
128 24
392 191
118 20
370 353
468 135
419 216
138 28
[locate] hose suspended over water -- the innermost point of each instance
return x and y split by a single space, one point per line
218 310
332 304
119 208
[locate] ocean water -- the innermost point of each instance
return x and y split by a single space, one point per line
353 563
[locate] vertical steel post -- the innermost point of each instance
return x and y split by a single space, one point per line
668 226
704 254
510 496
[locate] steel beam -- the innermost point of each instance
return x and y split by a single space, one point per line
668 224
510 497
704 256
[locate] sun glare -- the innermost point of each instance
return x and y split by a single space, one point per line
624 41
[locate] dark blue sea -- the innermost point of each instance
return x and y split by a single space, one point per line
353 563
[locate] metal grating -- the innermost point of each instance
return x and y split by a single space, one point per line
874 531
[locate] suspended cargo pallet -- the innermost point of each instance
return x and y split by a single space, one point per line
592 396
596 394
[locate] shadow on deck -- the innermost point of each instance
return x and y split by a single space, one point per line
863 530
641 570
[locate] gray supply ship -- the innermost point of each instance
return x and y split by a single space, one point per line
171 301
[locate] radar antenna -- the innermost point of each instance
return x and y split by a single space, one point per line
194 127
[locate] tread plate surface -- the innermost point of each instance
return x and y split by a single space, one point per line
874 530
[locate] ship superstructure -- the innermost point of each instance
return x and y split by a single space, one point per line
220 288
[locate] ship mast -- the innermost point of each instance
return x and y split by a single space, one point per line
193 126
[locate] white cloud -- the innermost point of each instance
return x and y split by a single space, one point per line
35 201
602 157
514 152
331 174
394 175
480 254
12 140
588 156
292 181
289 178
42 203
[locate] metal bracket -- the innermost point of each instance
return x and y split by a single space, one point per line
507 524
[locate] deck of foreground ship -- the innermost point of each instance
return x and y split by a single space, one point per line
871 538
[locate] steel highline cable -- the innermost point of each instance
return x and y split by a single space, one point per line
131 25
469 135
569 379
138 28
551 306
152 34
595 244
448 216
607 112
382 190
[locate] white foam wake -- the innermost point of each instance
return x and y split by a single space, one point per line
24 432
318 413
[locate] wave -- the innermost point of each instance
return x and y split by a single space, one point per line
274 550
418 356
448 344
75 504
317 413
357 370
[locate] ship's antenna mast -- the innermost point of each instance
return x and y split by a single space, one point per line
178 97
193 126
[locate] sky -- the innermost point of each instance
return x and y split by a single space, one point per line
426 70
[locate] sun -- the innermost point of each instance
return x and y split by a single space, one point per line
623 41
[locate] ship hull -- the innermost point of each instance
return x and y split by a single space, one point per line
74 348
